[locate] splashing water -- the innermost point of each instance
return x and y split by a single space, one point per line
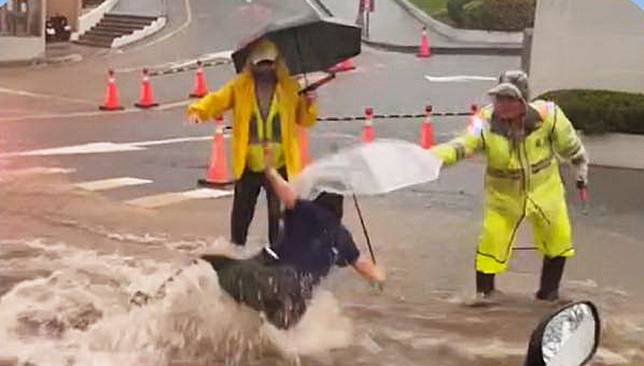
80 312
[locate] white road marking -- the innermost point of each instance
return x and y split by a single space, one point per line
24 93
458 78
164 199
106 147
105 184
207 193
91 148
69 115
162 107
173 141
5 174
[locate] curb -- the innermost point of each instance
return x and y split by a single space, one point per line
489 50
73 57
462 35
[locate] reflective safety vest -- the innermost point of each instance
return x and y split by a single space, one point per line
265 131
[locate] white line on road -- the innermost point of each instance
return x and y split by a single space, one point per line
105 184
6 174
24 93
162 107
91 148
106 147
165 199
458 78
68 115
173 141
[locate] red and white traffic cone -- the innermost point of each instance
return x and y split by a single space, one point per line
145 99
368 133
427 130
200 88
111 95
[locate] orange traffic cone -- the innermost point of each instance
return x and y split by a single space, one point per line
200 88
345 65
427 130
111 96
303 138
145 98
368 133
217 174
423 50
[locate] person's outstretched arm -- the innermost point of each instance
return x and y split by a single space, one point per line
369 270
280 186
212 105
465 145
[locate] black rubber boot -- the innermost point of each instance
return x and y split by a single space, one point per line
551 274
484 283
485 291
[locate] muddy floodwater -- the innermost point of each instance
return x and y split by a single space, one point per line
72 261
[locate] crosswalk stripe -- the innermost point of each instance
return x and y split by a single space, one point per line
165 199
15 173
107 147
105 184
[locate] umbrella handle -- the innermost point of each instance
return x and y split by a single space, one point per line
317 84
364 228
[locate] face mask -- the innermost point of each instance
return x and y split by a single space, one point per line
264 74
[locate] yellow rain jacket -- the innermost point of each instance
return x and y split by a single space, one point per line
239 95
522 180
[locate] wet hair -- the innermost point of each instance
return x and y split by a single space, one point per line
331 201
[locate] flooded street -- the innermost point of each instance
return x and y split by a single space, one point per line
72 262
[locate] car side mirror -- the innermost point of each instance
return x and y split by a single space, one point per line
569 337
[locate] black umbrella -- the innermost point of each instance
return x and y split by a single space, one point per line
307 42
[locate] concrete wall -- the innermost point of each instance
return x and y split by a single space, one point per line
16 49
69 8
21 48
587 44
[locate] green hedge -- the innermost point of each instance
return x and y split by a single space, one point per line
431 7
598 111
455 10
497 15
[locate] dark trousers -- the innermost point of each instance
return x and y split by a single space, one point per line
247 189
265 285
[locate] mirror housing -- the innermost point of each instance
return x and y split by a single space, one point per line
568 337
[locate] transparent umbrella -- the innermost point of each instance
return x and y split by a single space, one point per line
376 168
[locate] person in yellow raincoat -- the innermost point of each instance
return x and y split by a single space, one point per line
267 109
523 143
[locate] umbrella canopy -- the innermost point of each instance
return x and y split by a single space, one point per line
369 169
307 41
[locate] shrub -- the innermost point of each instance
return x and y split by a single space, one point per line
499 15
598 111
455 10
